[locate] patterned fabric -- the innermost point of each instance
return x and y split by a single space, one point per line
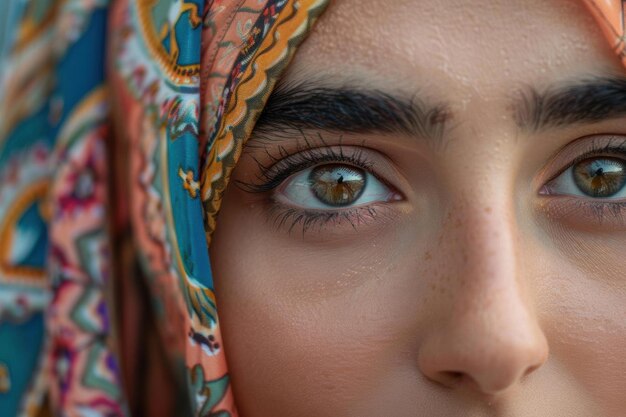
190 77
53 241
611 15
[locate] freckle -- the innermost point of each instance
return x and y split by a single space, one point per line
487 209
427 256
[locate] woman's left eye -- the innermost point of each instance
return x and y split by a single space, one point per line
332 186
596 177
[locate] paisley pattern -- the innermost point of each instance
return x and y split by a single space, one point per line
83 370
54 112
178 113
190 79
165 27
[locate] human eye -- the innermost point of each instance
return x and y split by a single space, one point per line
327 186
593 183
594 177
331 186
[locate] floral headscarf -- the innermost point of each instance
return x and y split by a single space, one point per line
190 79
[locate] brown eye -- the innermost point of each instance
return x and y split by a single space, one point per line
600 177
337 185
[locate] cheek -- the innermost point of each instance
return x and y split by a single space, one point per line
324 329
303 323
588 335
581 298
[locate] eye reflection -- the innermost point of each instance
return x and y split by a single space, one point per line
337 185
600 177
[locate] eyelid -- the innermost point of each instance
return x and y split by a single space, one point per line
580 149
283 166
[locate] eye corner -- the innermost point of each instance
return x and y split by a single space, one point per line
544 190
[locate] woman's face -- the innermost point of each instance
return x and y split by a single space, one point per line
430 219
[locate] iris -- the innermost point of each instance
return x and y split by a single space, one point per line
600 177
337 185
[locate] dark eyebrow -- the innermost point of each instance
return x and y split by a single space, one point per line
589 101
302 106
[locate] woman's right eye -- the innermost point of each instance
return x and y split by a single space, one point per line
596 177
333 186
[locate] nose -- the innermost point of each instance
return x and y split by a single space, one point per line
488 337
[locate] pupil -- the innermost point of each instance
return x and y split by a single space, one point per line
600 177
337 185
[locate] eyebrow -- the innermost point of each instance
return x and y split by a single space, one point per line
312 106
304 106
589 101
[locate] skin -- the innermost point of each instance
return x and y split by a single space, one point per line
472 294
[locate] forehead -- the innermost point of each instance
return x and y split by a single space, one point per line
452 49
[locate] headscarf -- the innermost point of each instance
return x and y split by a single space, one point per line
190 79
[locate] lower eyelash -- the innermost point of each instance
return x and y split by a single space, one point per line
291 218
604 212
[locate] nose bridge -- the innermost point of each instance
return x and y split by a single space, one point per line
482 233
481 225
490 337
489 294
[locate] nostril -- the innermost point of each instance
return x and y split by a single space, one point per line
454 374
451 378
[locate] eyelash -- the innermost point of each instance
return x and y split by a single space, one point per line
283 165
597 149
599 209
568 207
308 219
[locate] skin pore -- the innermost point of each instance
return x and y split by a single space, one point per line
472 275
